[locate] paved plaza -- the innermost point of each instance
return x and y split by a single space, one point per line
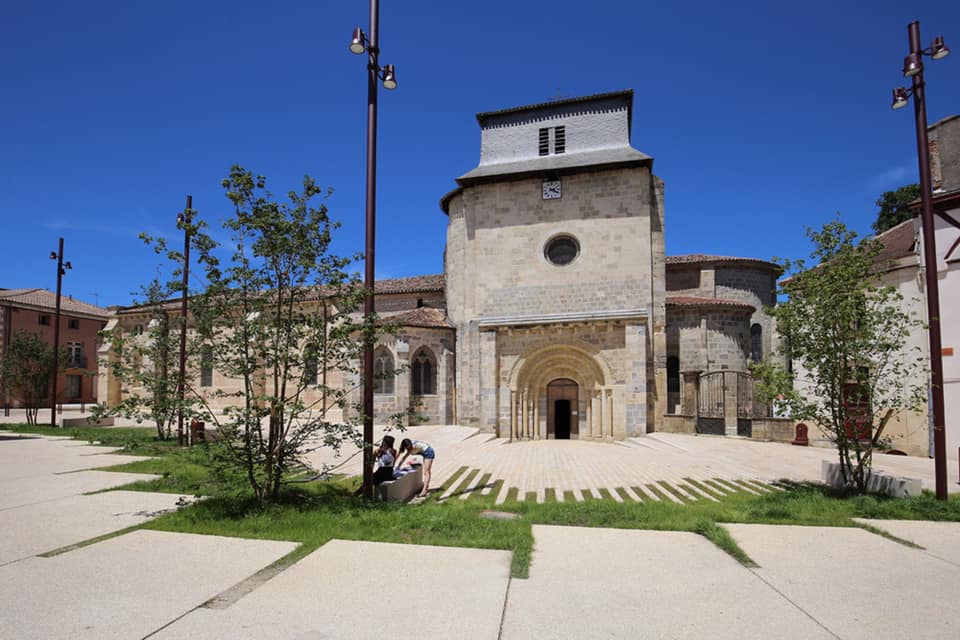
811 582
632 469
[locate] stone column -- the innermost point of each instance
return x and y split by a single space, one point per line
589 408
536 416
523 408
610 413
688 393
599 431
513 414
730 403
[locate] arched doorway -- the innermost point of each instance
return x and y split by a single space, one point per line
563 420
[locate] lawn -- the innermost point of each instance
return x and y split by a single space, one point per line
313 513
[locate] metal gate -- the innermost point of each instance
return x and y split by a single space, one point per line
710 403
712 395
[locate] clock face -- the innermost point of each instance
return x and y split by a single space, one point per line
551 189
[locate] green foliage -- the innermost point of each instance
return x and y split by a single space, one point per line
283 316
895 207
25 370
146 361
846 333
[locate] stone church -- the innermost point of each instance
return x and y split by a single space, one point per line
558 314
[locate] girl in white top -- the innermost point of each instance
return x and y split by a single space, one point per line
410 447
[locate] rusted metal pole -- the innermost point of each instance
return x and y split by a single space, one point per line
370 248
930 271
56 338
182 382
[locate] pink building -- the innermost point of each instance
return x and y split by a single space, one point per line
34 310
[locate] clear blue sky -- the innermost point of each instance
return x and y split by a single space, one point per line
763 117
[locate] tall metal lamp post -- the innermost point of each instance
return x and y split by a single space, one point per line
61 271
183 219
913 68
370 43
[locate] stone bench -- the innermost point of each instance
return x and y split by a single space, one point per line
878 482
401 489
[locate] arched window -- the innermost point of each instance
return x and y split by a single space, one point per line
423 373
756 343
382 370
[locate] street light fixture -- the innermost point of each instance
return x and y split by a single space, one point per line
62 268
913 68
369 43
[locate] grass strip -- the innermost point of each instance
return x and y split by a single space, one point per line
889 536
721 537
89 541
710 491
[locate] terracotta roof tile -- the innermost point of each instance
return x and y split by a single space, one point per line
898 242
43 299
699 258
426 317
696 301
412 284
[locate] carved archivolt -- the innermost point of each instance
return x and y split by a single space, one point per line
569 359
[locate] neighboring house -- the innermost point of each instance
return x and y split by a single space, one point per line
558 314
901 264
34 310
944 138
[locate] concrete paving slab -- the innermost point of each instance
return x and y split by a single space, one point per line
125 587
23 491
855 583
939 539
45 526
618 583
34 457
350 589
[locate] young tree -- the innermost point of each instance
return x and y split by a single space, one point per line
25 370
147 362
287 314
895 207
846 334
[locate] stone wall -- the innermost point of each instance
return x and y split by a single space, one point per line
406 301
436 408
708 339
496 267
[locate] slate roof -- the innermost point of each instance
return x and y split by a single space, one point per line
599 158
701 258
696 301
626 93
47 300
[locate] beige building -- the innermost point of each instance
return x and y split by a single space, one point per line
558 314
